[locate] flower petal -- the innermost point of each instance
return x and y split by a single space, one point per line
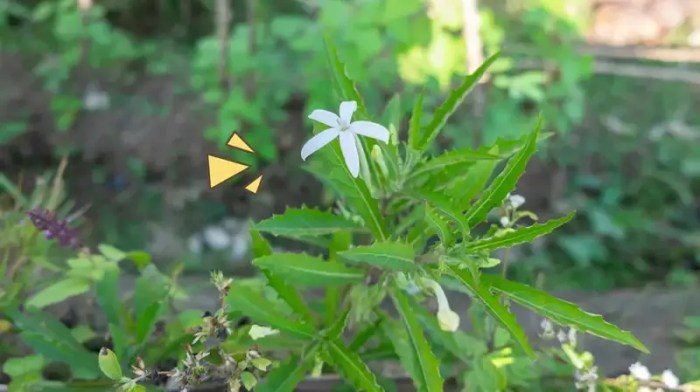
318 141
349 149
370 129
347 109
325 117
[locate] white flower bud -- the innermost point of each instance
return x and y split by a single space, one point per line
504 221
639 371
448 320
669 379
516 200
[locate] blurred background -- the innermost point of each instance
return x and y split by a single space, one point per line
135 94
124 99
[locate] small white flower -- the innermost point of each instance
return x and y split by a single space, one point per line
572 336
258 332
639 371
547 329
669 379
504 221
516 200
561 336
346 131
448 319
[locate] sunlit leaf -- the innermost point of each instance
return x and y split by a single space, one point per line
518 236
561 311
304 270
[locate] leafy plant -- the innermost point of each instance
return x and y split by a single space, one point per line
379 245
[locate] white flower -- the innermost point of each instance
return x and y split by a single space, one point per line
346 132
547 329
561 336
516 200
572 336
504 221
669 379
640 372
257 332
448 319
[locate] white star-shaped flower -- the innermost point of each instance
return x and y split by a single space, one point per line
346 132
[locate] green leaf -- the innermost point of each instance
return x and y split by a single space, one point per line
504 182
458 159
290 295
344 85
336 329
494 307
140 258
111 252
146 321
467 186
248 380
150 288
451 104
304 270
18 366
393 256
261 247
243 299
438 225
286 377
446 206
81 362
414 124
349 364
59 292
334 174
426 365
109 364
306 222
562 312
518 236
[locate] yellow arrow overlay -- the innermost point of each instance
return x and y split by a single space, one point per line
221 170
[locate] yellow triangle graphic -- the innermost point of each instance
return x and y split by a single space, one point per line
253 186
237 142
221 170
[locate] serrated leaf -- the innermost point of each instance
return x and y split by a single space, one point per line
290 295
393 256
467 186
345 86
259 244
395 333
286 377
415 122
349 364
446 206
336 329
438 225
504 182
459 344
304 270
494 307
461 159
333 172
426 365
306 222
59 291
109 364
562 312
518 236
243 299
443 113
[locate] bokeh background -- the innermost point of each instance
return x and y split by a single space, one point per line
124 99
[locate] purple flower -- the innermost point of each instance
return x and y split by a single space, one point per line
54 228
